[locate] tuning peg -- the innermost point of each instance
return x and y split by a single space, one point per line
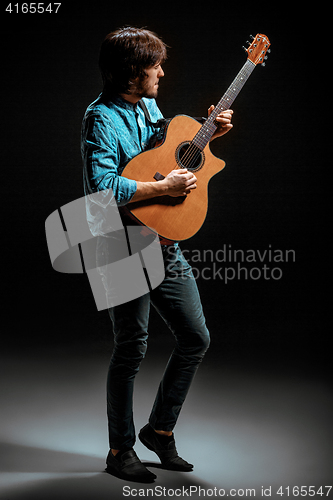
244 48
263 64
252 37
268 50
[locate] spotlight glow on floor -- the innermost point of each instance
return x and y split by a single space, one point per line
240 429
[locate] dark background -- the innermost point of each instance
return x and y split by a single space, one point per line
260 409
269 194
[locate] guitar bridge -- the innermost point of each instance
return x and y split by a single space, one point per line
159 177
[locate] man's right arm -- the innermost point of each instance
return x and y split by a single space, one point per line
101 159
178 182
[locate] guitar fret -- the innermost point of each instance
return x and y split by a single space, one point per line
208 128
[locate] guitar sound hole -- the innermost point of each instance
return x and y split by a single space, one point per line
189 156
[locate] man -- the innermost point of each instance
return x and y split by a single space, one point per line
116 127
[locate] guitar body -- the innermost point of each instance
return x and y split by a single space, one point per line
174 218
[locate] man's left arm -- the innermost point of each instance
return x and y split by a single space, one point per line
223 122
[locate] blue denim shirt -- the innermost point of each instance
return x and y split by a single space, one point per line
113 132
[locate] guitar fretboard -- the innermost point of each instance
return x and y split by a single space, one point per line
208 128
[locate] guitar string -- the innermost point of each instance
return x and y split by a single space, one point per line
189 158
193 151
193 159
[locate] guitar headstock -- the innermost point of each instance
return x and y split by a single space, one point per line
258 49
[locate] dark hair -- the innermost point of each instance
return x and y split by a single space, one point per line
125 54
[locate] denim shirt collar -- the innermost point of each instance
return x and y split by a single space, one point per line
119 101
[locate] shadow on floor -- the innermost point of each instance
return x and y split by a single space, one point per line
36 474
18 458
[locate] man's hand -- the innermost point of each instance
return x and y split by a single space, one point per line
179 182
223 122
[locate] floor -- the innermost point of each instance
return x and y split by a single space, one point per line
248 430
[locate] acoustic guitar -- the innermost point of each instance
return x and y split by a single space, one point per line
186 145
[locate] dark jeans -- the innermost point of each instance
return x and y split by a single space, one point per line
177 301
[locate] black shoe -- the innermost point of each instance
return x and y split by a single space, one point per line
128 466
166 452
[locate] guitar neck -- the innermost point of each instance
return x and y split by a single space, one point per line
208 128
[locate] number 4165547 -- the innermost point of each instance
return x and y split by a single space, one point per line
33 8
303 491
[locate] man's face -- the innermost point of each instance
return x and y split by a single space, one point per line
148 87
